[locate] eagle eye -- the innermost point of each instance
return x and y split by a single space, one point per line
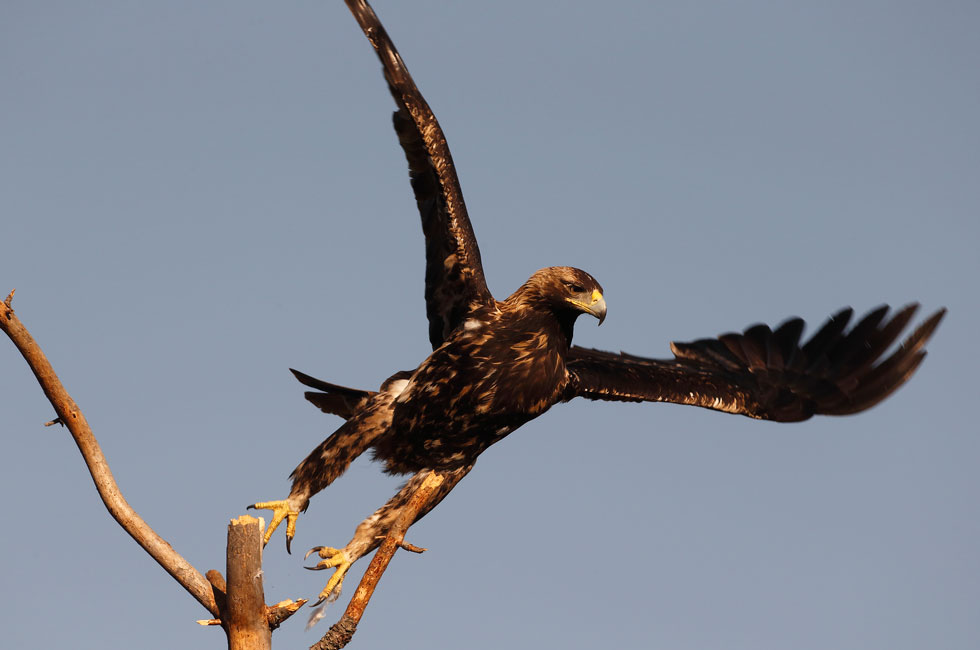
574 288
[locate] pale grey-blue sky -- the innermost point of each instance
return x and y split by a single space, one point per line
198 195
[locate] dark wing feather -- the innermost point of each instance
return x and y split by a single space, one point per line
454 281
763 373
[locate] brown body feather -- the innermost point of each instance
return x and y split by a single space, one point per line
500 368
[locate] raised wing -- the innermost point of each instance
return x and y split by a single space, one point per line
763 373
454 281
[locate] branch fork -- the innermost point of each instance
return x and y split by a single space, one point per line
238 606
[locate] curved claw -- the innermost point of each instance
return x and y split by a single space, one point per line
315 549
280 510
335 559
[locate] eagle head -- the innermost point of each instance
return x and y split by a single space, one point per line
566 290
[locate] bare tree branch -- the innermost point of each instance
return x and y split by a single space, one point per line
71 416
282 610
341 632
275 614
238 606
246 619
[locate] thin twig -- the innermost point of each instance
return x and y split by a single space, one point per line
411 547
71 416
341 632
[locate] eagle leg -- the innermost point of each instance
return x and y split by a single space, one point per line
333 558
280 510
373 530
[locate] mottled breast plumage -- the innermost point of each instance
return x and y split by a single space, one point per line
492 375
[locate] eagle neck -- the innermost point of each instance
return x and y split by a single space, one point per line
541 313
566 326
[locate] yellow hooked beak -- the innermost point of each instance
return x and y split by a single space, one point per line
595 305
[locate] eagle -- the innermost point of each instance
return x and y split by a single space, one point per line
496 364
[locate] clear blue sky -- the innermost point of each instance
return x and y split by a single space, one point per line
198 195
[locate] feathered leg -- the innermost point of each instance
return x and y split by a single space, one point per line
328 461
373 530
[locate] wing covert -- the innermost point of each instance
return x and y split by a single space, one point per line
764 373
454 280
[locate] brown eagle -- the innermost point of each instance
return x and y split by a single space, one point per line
497 364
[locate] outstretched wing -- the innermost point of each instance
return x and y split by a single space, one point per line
763 373
454 281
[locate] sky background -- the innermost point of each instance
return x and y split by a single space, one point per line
196 196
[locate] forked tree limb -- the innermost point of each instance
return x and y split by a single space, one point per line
341 632
246 619
71 416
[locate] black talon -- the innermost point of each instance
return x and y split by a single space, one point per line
319 601
288 541
315 549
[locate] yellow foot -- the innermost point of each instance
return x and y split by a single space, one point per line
280 510
337 560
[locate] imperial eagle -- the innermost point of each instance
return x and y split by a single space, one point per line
496 364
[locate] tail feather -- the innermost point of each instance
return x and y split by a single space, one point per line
334 399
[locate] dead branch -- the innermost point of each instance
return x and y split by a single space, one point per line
71 416
339 635
246 620
239 606
275 614
282 610
220 593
